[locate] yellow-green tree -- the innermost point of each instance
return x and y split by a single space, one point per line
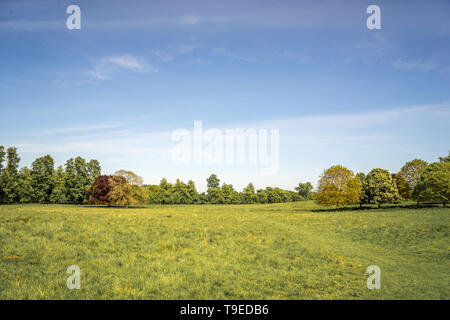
338 186
402 185
434 183
127 189
408 176
379 188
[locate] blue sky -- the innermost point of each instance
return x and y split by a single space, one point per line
138 70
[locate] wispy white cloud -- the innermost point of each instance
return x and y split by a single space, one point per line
175 50
195 62
126 143
416 65
186 47
105 67
189 19
78 129
162 55
126 61
299 57
227 53
354 120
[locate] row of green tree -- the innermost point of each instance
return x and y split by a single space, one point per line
417 180
182 193
104 191
42 183
80 181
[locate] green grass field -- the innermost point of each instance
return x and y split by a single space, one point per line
279 251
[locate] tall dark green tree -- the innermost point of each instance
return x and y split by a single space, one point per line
304 189
153 194
262 196
213 189
192 190
180 193
203 198
273 196
26 191
59 191
229 195
2 159
249 194
42 179
10 177
215 195
212 181
165 192
79 178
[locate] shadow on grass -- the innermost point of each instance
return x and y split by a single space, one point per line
112 207
410 206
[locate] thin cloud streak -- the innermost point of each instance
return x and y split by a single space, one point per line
78 129
105 67
189 20
355 119
417 65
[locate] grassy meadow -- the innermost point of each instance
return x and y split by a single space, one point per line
280 251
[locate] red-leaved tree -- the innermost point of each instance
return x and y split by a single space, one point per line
99 191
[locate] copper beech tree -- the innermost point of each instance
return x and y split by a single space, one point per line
99 191
123 188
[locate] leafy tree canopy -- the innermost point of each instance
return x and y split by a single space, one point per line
304 189
127 188
434 183
338 186
213 181
379 188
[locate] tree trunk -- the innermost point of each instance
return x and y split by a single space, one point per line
379 205
445 204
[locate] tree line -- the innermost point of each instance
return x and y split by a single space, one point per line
80 181
42 183
104 192
182 193
417 180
